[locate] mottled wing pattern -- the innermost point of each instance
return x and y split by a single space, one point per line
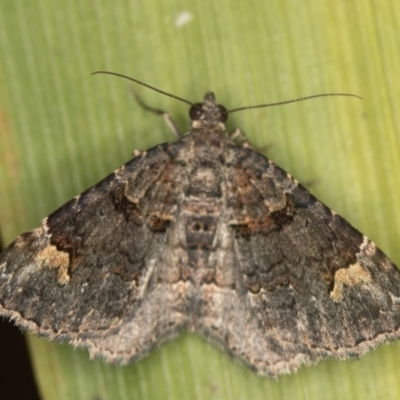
85 273
208 236
309 286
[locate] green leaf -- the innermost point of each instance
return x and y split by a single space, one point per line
62 130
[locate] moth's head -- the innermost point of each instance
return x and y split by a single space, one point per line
208 113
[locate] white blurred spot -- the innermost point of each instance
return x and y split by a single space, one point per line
183 18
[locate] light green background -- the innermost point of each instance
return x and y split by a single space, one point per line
62 130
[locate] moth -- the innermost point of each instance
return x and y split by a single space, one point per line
202 234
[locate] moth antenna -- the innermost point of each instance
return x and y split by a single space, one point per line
143 84
293 101
230 111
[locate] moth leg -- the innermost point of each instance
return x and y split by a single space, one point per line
136 152
240 138
167 118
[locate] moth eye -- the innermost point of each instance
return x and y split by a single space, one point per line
196 111
223 113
